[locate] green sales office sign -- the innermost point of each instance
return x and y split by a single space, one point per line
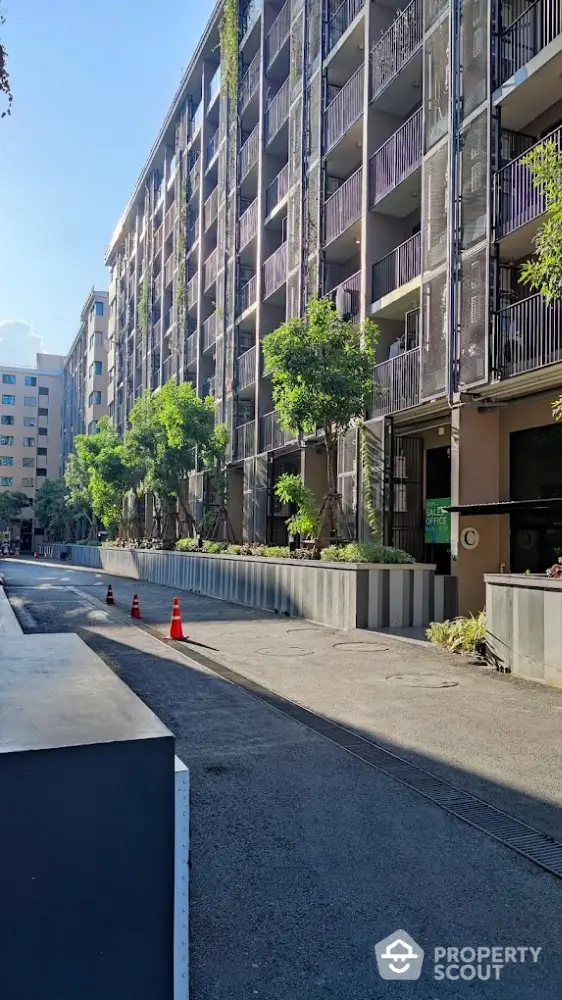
438 521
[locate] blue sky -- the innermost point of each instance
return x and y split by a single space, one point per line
91 84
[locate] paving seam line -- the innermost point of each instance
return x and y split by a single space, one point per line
532 844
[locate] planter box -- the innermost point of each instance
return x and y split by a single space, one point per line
524 626
346 595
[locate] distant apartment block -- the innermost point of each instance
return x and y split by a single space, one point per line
85 374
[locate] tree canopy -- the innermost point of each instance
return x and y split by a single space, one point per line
53 510
101 457
543 272
5 88
11 505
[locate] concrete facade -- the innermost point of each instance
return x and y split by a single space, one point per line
86 373
524 626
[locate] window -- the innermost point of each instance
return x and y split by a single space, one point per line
6 459
112 410
93 427
6 440
99 308
43 432
29 442
30 400
41 472
43 390
43 411
96 368
9 400
6 481
29 421
28 481
7 421
9 379
30 380
95 398
42 452
28 463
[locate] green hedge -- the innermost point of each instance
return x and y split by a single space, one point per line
360 552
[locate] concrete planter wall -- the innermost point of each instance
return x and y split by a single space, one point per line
346 595
524 626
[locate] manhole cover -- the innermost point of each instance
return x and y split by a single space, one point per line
361 647
288 651
423 680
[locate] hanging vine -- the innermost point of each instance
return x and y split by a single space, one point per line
366 475
143 308
229 45
180 258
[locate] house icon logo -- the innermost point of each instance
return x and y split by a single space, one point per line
399 957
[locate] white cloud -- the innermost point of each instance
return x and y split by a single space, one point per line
18 342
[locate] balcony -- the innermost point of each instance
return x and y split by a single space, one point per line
272 435
275 271
169 369
196 121
245 439
345 109
517 201
277 112
191 349
195 176
169 270
249 83
346 295
248 225
158 239
210 270
527 335
209 386
192 291
246 369
396 48
397 383
249 16
343 208
212 147
277 190
169 319
398 268
169 221
211 209
210 332
396 161
249 153
536 27
214 87
247 295
341 20
278 35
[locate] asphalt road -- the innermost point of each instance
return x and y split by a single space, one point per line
303 856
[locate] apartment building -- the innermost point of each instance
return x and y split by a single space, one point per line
375 157
86 374
30 432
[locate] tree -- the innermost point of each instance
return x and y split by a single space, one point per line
11 506
53 510
322 369
4 78
77 479
543 272
110 477
216 522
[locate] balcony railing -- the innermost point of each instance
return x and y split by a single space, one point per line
249 16
169 269
248 224
246 368
537 26
277 189
169 369
158 239
343 208
191 349
210 332
346 295
214 86
169 318
275 271
245 439
517 200
527 335
169 220
210 269
196 121
341 19
192 290
195 176
249 153
396 47
250 81
397 158
213 147
247 295
211 209
209 386
345 109
278 34
272 435
397 268
397 383
278 111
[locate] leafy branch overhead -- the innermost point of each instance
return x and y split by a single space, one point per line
543 272
4 78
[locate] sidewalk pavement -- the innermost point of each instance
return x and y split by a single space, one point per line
495 736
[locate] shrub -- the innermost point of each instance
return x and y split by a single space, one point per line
89 542
276 551
215 548
291 489
461 635
186 545
365 552
234 550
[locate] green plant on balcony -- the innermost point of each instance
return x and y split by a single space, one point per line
543 272
367 477
229 45
143 308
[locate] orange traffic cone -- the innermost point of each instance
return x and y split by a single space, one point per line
109 599
176 627
35 556
135 610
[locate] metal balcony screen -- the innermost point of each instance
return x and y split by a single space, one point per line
434 336
248 504
432 11
475 56
475 172
473 317
436 84
435 209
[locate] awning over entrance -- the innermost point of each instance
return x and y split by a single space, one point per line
506 507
